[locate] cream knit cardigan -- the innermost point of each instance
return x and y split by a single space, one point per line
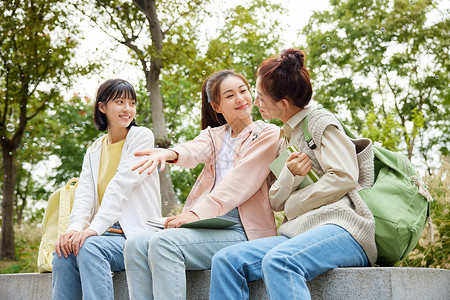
354 215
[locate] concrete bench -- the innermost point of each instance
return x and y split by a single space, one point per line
343 283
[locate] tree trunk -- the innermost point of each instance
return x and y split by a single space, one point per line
8 246
168 200
410 147
20 208
9 147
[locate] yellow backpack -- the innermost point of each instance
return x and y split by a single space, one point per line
55 223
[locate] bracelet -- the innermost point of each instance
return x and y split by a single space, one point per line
175 160
194 213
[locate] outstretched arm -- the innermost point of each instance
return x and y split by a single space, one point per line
153 158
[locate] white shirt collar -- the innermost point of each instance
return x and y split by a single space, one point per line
295 120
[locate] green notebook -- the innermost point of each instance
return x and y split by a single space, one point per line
211 223
278 164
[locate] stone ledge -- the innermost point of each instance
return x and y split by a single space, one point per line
336 284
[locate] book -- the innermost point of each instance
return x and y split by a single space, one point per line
211 223
278 164
157 223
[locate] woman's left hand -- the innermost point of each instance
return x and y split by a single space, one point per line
78 239
177 221
299 164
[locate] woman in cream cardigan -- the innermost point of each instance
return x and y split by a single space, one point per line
327 224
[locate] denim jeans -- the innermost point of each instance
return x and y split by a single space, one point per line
284 264
89 274
156 262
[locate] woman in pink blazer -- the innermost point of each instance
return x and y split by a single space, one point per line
233 185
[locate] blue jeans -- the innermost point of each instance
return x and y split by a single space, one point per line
88 274
156 262
284 264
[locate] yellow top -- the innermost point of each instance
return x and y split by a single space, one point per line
109 162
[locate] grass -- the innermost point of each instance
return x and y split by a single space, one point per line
28 239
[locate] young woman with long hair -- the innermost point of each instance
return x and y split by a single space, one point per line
233 185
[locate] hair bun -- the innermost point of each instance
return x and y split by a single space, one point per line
291 59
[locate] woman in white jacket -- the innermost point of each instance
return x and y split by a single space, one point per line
111 202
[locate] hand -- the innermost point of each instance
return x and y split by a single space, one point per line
177 221
154 157
62 245
77 240
299 164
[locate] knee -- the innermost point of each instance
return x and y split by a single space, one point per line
271 265
136 245
165 244
90 249
161 242
273 261
62 265
219 259
59 263
229 259
277 262
223 257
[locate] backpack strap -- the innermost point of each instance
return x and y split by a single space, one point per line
307 134
378 152
64 205
309 140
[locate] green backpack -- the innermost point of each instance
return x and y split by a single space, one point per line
398 199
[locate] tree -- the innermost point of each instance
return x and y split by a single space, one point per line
70 126
36 45
250 35
144 27
75 121
386 64
164 39
247 37
36 145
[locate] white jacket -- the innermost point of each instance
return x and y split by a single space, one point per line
129 198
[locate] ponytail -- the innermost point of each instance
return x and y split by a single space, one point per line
209 116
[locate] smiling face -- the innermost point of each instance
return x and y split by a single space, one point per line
235 101
119 112
268 108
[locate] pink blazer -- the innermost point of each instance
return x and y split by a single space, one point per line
246 186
